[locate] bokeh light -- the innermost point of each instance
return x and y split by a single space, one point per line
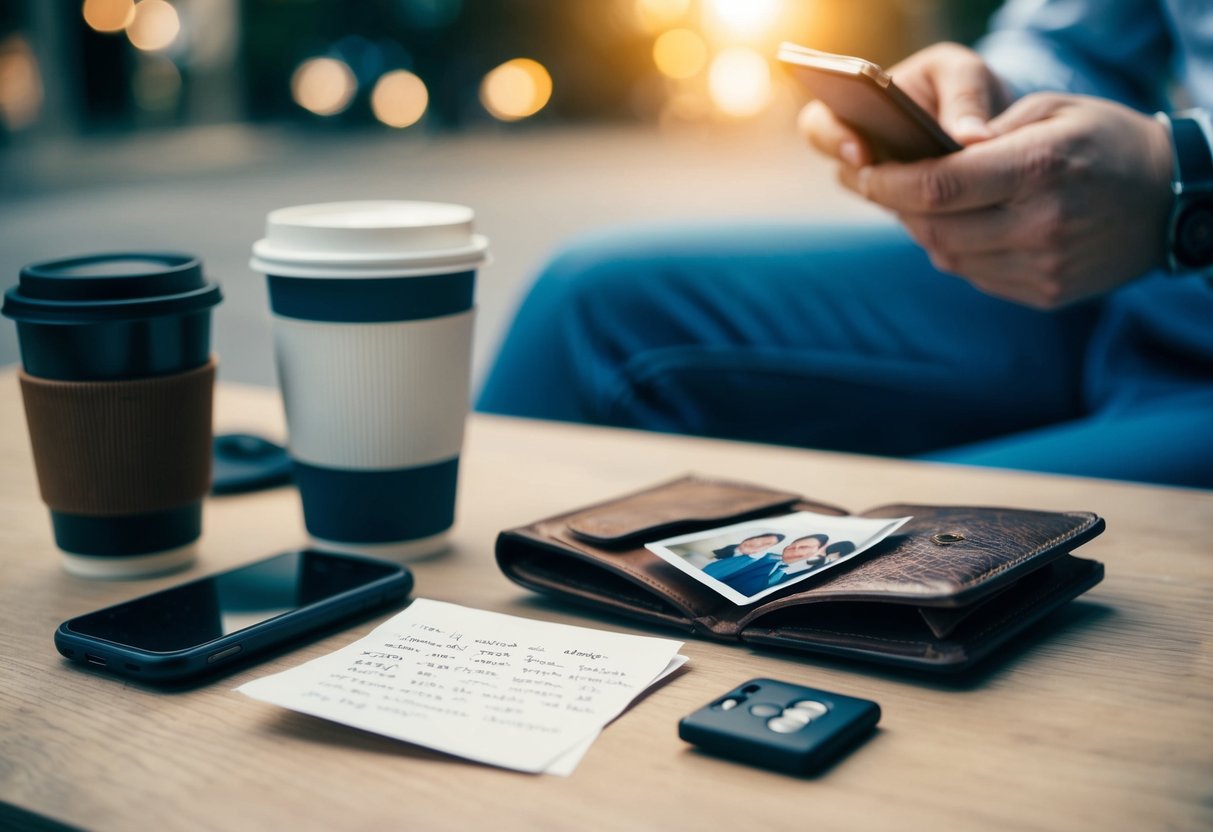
399 98
515 90
156 25
324 86
680 53
743 18
109 15
20 84
655 15
739 82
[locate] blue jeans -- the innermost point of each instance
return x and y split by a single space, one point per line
846 338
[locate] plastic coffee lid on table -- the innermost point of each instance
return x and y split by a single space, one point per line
110 287
376 238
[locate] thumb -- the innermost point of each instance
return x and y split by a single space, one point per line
965 104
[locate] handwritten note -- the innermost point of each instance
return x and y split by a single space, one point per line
498 689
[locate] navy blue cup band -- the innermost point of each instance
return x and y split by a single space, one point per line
377 506
127 535
372 300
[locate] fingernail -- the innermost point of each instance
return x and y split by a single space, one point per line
863 180
972 127
849 151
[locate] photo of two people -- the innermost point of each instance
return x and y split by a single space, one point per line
748 561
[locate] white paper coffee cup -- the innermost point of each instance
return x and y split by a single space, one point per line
373 315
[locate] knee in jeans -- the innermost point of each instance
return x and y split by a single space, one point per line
589 274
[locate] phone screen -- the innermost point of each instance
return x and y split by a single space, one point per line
207 609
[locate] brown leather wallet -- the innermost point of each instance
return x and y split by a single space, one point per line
947 589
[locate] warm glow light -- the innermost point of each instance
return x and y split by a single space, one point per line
324 86
155 26
516 89
109 15
740 82
680 53
743 18
656 15
399 98
684 106
20 84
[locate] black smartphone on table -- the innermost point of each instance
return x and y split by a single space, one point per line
196 628
865 98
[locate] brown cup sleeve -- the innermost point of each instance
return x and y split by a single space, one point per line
111 448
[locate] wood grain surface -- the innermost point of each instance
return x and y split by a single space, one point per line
1103 720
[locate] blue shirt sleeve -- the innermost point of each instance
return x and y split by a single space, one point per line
1118 49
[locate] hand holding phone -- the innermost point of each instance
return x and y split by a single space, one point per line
864 97
199 627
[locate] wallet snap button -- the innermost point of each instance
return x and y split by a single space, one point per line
947 538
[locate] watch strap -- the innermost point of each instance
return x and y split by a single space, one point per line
1193 159
1190 231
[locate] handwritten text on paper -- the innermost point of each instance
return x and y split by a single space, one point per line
494 688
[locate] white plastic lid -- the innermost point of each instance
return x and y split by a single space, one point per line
376 238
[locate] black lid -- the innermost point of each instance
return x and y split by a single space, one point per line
108 287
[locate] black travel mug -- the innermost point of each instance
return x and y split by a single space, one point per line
118 383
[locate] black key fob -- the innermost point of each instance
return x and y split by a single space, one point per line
777 725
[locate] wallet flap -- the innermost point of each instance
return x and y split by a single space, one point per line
686 503
958 554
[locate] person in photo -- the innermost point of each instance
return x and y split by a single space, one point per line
837 551
757 575
731 561
754 545
804 554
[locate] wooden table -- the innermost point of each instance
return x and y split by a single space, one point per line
1104 722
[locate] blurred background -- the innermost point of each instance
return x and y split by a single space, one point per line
176 124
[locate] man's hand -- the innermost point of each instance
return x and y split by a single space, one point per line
1068 199
1053 199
